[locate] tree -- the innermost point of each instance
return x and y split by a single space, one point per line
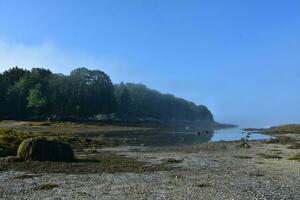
2 95
125 102
147 103
36 100
60 98
85 93
14 100
93 92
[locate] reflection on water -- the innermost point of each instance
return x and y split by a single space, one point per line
159 138
164 137
233 134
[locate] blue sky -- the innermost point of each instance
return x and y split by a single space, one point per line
239 57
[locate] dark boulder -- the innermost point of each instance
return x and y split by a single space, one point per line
38 149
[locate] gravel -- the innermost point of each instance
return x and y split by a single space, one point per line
218 170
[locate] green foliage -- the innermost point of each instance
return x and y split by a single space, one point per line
12 97
35 98
150 104
94 93
85 93
125 103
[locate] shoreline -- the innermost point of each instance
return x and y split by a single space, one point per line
262 169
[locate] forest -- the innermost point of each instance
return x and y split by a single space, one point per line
39 93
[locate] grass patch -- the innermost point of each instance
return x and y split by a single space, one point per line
296 158
48 186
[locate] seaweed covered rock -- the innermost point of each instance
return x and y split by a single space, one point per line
243 144
44 150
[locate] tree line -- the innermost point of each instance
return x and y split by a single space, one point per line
39 93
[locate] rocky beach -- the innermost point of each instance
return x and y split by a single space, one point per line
261 169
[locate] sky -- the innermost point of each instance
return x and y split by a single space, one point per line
240 58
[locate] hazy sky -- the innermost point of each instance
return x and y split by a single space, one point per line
241 58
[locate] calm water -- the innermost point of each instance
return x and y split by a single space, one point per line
233 134
180 137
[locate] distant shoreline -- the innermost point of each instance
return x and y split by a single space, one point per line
135 123
275 130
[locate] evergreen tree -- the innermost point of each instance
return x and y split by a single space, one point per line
125 102
85 93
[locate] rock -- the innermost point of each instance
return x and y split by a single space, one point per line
171 160
243 144
44 150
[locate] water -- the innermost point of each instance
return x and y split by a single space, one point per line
166 137
234 134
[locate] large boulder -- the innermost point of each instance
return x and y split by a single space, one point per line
44 150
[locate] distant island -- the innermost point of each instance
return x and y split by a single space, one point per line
88 94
